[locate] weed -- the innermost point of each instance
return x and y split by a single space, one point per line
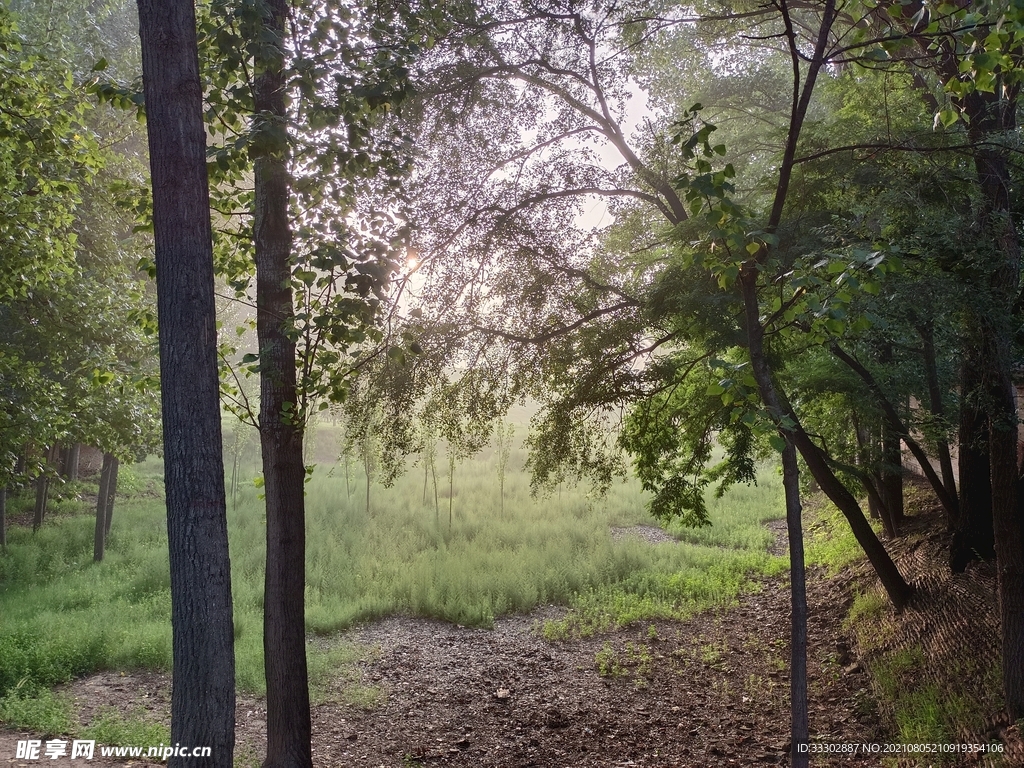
43 712
830 541
712 654
247 757
764 691
607 662
336 676
866 605
119 730
639 657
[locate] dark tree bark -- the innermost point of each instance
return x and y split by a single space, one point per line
43 489
203 694
892 476
284 633
892 580
992 115
871 479
972 530
74 457
100 532
39 511
936 405
115 465
798 596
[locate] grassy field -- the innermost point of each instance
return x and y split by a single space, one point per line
64 616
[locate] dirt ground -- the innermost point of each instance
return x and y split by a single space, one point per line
709 691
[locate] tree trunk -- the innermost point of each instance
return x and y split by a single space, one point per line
949 503
892 580
892 476
1009 544
798 597
203 694
369 477
39 512
65 461
115 465
100 534
991 116
3 518
437 502
284 636
871 479
972 537
937 407
74 457
43 489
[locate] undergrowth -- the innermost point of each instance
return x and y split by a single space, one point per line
920 710
65 616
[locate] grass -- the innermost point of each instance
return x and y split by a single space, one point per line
43 712
922 710
65 616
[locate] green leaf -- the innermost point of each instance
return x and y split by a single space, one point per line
778 442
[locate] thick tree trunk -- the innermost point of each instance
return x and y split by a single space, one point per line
972 530
284 639
39 511
873 487
1009 544
74 455
892 580
100 533
798 596
203 694
892 476
991 115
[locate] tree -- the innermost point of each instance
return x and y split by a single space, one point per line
203 696
319 228
977 59
596 323
504 433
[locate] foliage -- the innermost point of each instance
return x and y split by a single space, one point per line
75 364
346 69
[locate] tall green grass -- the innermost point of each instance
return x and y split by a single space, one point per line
63 616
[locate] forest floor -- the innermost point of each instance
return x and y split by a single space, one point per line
712 690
